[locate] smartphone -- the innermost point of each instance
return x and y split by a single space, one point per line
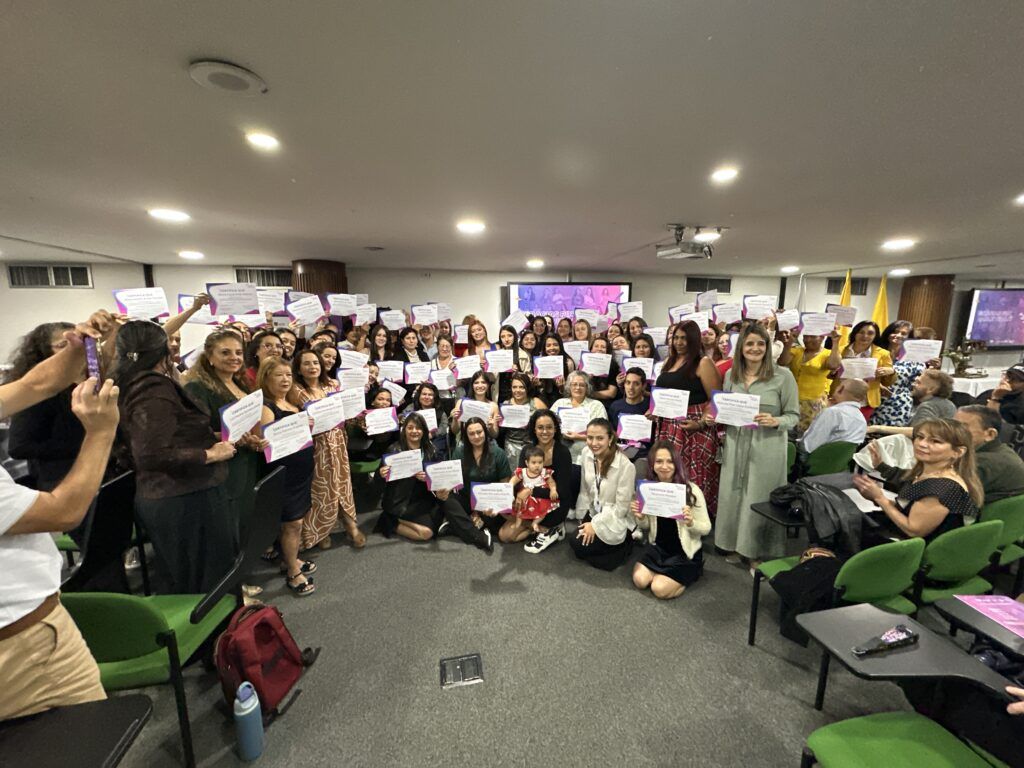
897 637
92 361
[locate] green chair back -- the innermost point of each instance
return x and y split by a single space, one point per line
1011 512
790 455
962 553
116 627
830 458
880 572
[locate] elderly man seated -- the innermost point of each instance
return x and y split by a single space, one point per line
931 392
842 421
1000 469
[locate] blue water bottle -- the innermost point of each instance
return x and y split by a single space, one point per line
248 722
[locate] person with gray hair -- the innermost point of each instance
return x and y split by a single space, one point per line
578 391
930 392
841 421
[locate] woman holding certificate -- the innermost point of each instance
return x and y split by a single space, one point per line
550 390
894 410
478 341
866 341
331 489
413 511
477 402
380 344
811 365
577 398
673 559
604 384
180 465
516 437
426 397
410 349
445 361
563 330
264 345
643 347
687 369
528 344
482 462
275 379
766 408
603 538
508 339
363 446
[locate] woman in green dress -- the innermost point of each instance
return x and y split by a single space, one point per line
755 457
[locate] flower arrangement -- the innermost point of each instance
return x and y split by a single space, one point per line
961 356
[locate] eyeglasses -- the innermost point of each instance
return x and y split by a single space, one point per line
271 347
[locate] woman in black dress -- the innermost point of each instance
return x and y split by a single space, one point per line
275 379
672 560
545 432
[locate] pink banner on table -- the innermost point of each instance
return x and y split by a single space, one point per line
1003 610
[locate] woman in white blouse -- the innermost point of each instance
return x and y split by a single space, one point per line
603 538
578 393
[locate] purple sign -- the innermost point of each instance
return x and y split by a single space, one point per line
1003 610
563 299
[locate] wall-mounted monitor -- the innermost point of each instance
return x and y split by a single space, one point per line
997 318
562 299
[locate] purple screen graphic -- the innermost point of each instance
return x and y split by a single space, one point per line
997 317
562 299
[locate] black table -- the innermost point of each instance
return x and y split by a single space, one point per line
962 616
780 515
82 735
933 657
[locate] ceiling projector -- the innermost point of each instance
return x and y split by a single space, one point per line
691 242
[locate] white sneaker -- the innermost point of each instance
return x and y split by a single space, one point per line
131 559
542 541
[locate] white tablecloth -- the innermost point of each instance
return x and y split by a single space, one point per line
975 387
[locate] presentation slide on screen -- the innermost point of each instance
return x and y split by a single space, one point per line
997 317
562 299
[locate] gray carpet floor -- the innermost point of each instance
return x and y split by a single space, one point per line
580 668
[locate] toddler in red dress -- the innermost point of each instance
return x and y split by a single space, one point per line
535 475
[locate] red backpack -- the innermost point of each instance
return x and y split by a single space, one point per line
258 648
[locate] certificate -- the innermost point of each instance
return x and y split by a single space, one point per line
817 323
341 304
499 361
393 319
575 349
239 417
590 315
425 314
430 416
630 309
353 378
491 497
658 366
190 359
202 317
142 303
920 350
474 409
390 370
787 319
707 300
460 334
669 403
287 436
760 306
403 464
736 409
308 310
700 318
661 499
327 413
348 358
398 392
250 321
353 402
381 420
365 313
270 300
634 428
727 313
443 379
596 363
444 475
845 316
517 320
674 313
416 372
232 298
549 367
291 296
465 367
574 420
444 311
645 364
658 334
858 368
515 416
362 298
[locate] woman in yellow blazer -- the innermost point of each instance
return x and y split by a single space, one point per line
863 338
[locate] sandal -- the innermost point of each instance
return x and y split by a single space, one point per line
307 567
300 590
270 555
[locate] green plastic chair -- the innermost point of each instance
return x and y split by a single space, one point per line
790 455
878 575
364 467
954 560
830 458
68 546
1011 544
904 739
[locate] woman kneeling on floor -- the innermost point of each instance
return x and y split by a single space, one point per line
603 538
673 560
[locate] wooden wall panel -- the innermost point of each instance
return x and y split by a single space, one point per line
927 300
318 276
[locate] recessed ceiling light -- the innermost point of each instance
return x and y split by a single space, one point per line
899 272
899 244
168 214
790 270
535 263
724 175
707 235
262 141
192 255
1019 200
471 226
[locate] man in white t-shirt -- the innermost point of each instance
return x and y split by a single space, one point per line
44 662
